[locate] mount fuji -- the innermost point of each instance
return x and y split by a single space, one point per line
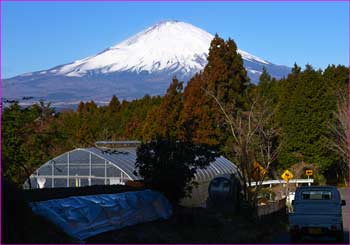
143 64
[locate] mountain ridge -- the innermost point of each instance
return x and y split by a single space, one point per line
142 64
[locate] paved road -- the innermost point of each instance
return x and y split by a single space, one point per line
345 195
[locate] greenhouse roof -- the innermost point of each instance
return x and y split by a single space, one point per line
117 144
125 159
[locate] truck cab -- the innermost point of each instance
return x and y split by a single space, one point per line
317 211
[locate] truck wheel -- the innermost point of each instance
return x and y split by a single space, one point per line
340 235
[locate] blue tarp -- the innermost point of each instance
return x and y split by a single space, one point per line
85 216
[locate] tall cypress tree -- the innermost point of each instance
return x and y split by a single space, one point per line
224 77
164 121
114 105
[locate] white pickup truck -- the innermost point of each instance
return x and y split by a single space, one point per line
317 211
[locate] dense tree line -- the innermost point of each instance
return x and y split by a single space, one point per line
303 110
31 137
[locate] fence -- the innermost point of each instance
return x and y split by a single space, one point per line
292 181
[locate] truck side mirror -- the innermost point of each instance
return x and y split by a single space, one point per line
292 202
343 202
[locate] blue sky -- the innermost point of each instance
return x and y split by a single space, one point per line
40 35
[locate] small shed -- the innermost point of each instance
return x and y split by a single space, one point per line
225 192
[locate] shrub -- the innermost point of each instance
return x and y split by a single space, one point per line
169 166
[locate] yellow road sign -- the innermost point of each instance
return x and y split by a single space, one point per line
308 172
287 175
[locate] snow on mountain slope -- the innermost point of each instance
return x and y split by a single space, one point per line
166 45
169 45
142 64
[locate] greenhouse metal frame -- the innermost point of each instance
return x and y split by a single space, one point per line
104 166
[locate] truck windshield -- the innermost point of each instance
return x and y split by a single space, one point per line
316 195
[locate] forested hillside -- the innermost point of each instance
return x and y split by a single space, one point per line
299 117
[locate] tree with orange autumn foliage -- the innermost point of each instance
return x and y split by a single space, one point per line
164 121
225 77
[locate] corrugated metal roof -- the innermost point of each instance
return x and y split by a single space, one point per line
125 159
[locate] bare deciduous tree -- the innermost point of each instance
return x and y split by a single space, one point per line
254 139
340 133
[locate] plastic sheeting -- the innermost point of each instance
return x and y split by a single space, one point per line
85 216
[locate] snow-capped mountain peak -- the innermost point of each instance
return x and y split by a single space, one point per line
142 64
169 45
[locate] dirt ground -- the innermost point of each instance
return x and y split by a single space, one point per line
199 225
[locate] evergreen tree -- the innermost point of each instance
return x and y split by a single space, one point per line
114 105
225 77
26 141
267 87
164 121
197 118
305 107
81 107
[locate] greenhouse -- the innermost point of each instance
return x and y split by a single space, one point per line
105 166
